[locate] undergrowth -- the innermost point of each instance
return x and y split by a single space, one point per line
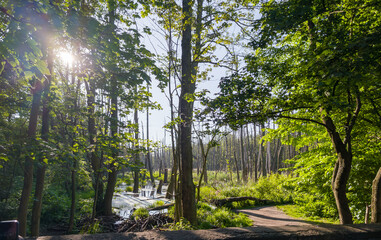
273 187
210 217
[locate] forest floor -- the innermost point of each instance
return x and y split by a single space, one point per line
269 223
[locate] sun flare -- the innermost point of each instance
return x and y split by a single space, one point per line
66 58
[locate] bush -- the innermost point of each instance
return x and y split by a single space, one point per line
275 187
156 204
140 213
209 217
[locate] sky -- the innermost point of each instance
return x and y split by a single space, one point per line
156 43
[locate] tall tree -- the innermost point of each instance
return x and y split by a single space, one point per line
321 45
188 86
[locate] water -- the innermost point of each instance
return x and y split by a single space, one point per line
126 202
149 191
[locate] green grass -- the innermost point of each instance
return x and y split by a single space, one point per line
272 188
296 212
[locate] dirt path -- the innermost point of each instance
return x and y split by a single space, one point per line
271 216
269 223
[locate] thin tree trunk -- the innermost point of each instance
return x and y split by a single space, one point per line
203 171
136 154
376 198
40 175
73 196
94 159
255 157
112 174
149 163
236 166
261 159
28 166
243 162
112 169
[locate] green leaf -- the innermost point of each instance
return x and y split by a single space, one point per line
42 67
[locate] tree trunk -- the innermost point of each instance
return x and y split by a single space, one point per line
28 166
94 158
255 157
203 170
244 166
341 172
261 159
112 169
376 198
136 154
188 86
236 166
149 162
73 197
112 174
40 175
166 175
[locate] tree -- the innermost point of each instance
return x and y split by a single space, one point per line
23 28
307 67
188 86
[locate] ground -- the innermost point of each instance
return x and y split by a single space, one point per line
269 223
271 216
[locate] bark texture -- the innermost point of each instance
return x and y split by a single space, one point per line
28 165
376 198
40 175
341 172
186 114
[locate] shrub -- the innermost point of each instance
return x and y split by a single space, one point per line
209 217
140 213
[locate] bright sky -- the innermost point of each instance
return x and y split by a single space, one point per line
156 44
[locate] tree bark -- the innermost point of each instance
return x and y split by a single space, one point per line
203 170
136 154
341 172
28 165
94 158
73 196
40 175
112 174
261 159
188 86
376 198
149 162
255 157
112 169
244 166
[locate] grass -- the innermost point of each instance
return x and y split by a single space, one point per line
272 188
295 212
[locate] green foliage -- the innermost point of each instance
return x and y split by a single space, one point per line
92 228
183 224
297 212
140 213
273 187
156 204
209 217
56 206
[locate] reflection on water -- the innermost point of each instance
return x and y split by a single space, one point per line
126 202
148 191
